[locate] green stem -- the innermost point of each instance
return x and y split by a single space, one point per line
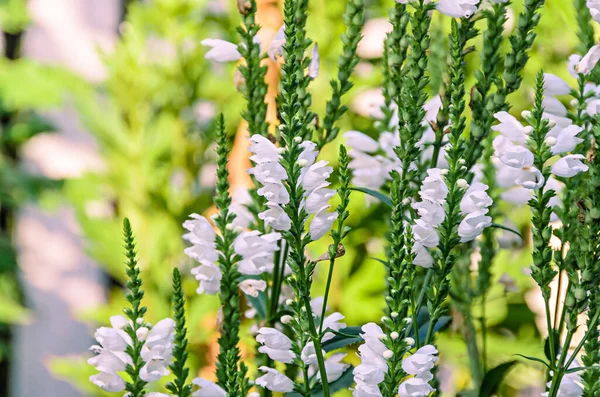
316 338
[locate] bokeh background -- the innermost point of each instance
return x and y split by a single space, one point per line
107 110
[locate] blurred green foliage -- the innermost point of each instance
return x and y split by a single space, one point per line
152 120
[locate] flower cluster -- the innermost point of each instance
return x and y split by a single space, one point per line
373 367
112 357
255 249
269 172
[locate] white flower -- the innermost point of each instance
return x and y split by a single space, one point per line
208 389
422 257
569 166
430 212
309 354
318 198
594 6
239 200
276 48
530 178
515 156
472 226
253 287
158 350
425 234
511 128
267 172
422 361
275 193
275 381
108 381
256 251
574 59
457 8
415 387
275 344
202 236
321 223
361 142
517 195
276 217
333 322
566 138
313 68
554 106
475 199
333 367
373 366
434 187
554 85
315 176
221 50
365 390
263 149
589 61
209 276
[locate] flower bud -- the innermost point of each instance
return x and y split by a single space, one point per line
281 150
286 319
528 130
229 226
550 141
526 114
409 341
461 183
388 354
289 302
394 335
394 314
302 162
298 139
580 294
407 320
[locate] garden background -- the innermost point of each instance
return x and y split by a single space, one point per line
107 110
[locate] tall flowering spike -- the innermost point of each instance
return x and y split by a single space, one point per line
178 387
354 19
135 314
231 372
254 88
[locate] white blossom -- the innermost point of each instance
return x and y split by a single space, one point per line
371 371
594 7
332 322
565 138
425 234
569 166
239 201
457 8
431 213
275 344
275 381
209 276
472 226
333 367
475 199
321 223
515 156
202 236
361 141
415 387
313 67
256 251
309 354
252 287
589 61
434 187
208 389
554 85
108 381
276 47
221 50
276 217
422 257
511 128
422 361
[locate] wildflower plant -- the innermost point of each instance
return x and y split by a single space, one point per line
440 165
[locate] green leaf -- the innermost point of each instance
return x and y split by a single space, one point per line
508 229
352 335
577 369
441 324
539 360
374 193
259 303
494 377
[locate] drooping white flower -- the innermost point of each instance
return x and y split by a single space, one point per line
554 85
202 236
157 351
515 156
252 287
472 226
318 198
275 381
476 199
434 187
425 234
431 213
333 367
594 7
221 50
239 201
457 8
209 276
422 257
275 344
361 141
422 361
309 354
108 381
511 128
565 139
276 217
256 251
315 176
333 322
554 106
263 149
371 371
313 67
569 166
589 61
321 223
208 389
530 178
276 47
415 387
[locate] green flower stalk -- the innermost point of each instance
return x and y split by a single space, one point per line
586 30
354 19
231 372
178 386
135 313
255 87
